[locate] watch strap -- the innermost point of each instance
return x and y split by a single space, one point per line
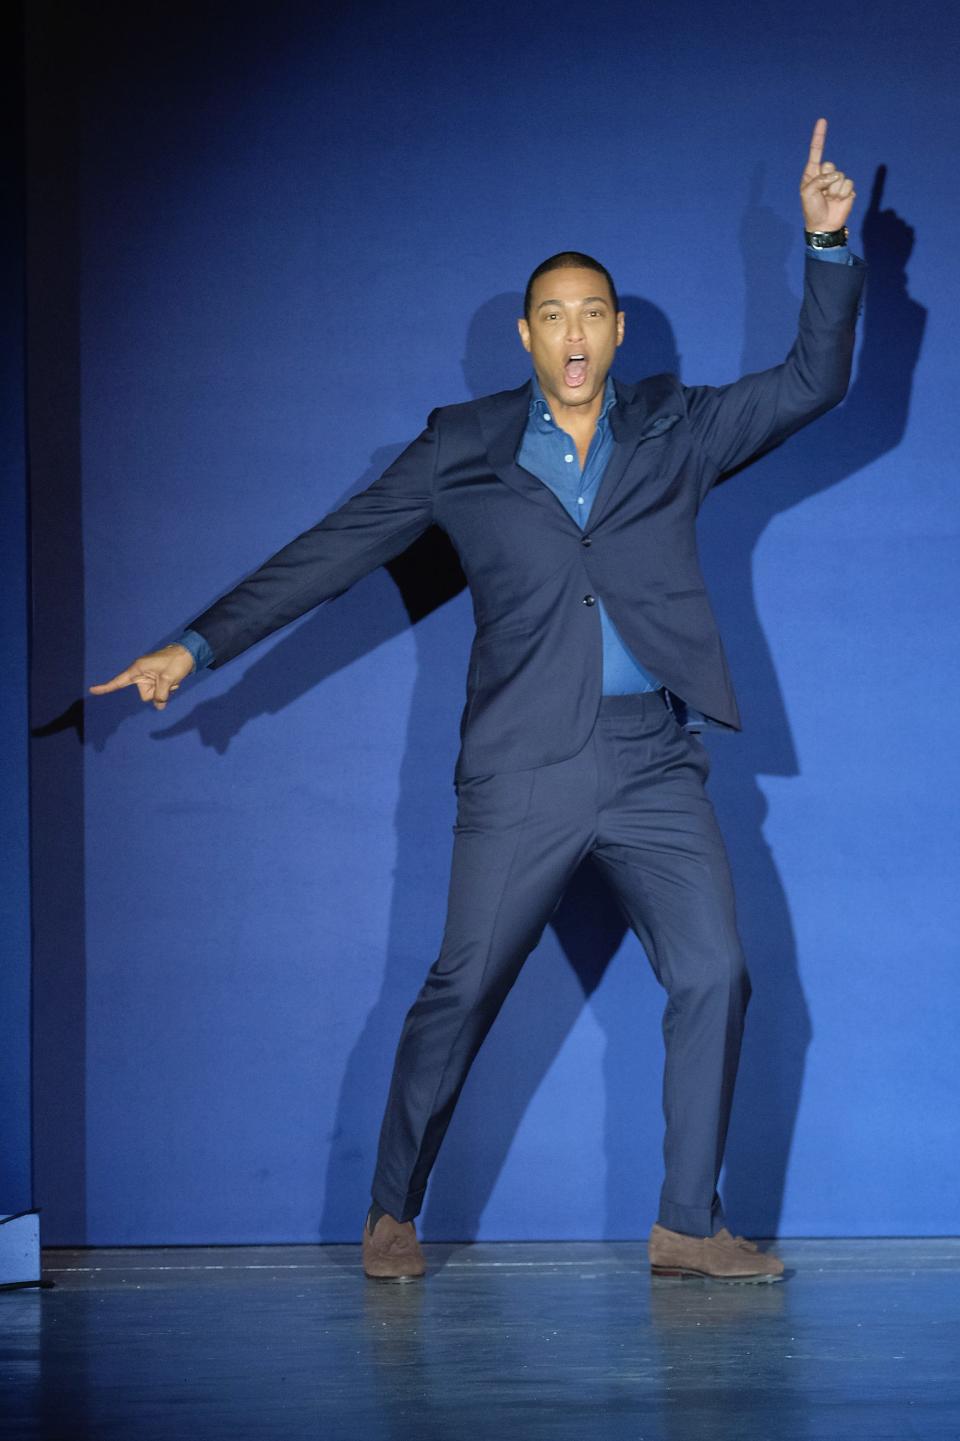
826 239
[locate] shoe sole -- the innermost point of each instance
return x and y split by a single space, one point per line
671 1273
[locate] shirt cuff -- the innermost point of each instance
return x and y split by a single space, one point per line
838 254
194 642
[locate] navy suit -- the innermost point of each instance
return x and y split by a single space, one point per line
549 770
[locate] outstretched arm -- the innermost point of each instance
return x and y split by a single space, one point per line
367 530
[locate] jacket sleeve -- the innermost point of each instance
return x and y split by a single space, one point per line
737 422
321 563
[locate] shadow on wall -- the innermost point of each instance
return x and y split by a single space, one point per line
870 422
588 925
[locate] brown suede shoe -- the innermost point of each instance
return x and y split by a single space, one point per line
392 1252
716 1258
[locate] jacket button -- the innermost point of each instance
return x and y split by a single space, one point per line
589 600
586 541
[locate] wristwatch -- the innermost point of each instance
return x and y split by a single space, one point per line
826 239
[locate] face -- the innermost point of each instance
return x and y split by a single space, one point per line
572 334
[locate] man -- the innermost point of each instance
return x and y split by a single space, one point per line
572 504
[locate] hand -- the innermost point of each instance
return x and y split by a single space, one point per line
826 194
155 675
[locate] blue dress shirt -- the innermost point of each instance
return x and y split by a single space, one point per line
549 453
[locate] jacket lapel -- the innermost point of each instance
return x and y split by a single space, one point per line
503 419
642 412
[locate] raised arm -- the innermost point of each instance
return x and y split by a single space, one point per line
737 422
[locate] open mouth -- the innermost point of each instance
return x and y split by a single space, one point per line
575 370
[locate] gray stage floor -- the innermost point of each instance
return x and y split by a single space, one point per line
501 1341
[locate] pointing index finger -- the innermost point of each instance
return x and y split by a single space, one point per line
125 678
817 141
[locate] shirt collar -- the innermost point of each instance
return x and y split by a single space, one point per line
539 407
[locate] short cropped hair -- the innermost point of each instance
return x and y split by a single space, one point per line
568 260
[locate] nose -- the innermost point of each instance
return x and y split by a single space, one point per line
574 328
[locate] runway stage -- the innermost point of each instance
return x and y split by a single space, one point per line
536 1341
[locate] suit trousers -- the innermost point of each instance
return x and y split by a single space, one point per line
633 800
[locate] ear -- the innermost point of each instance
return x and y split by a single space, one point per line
621 326
524 330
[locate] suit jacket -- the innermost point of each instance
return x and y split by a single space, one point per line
534 678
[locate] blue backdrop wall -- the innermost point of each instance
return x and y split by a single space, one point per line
265 241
